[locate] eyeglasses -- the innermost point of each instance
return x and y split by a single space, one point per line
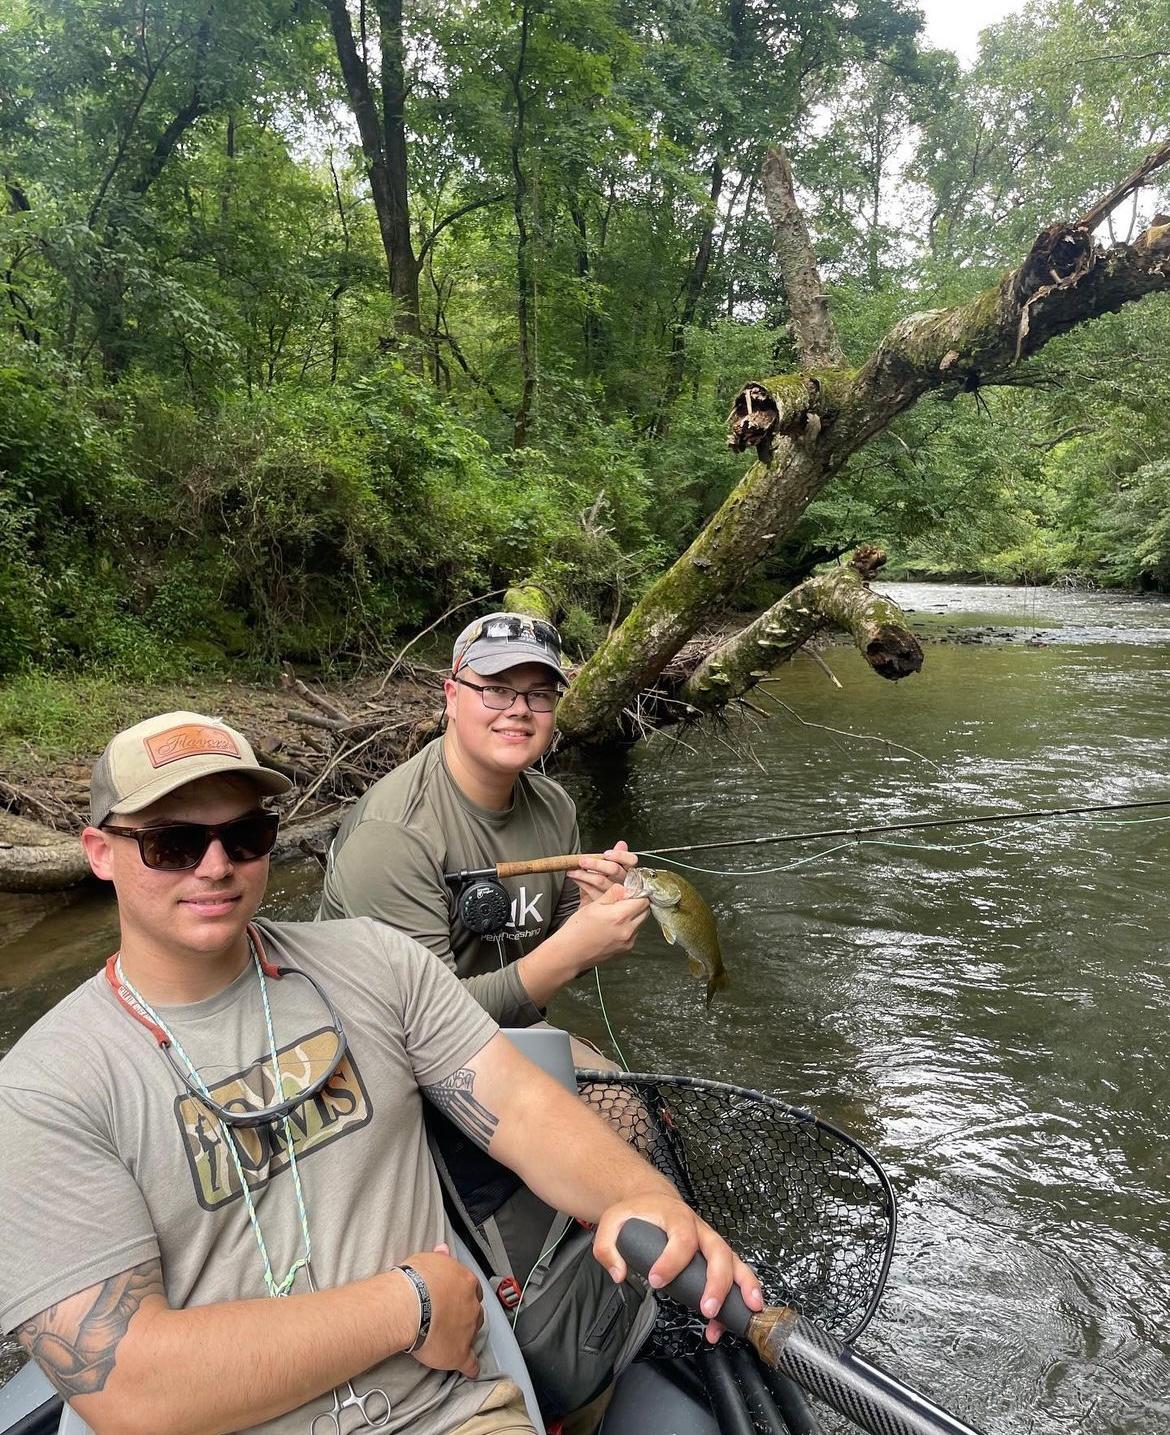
179 846
500 699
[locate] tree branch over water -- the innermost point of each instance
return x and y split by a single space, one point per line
805 427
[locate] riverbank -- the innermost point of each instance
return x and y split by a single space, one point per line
52 729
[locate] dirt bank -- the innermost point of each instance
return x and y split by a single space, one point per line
294 730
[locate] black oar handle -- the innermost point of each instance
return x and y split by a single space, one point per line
800 1349
641 1244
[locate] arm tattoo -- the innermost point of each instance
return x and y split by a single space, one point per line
75 1342
455 1098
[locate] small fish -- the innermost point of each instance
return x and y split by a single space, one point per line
684 918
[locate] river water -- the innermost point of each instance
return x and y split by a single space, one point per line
987 1008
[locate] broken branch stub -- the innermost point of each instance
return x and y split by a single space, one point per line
841 599
812 323
794 406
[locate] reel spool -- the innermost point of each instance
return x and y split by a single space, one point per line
482 903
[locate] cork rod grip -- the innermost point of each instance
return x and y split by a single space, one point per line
543 864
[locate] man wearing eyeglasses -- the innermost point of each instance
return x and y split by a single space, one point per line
464 804
181 1254
470 801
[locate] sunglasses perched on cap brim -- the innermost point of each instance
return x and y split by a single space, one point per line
179 846
512 629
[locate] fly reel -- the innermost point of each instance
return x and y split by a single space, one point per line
482 902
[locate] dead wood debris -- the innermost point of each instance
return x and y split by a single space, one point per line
345 752
43 807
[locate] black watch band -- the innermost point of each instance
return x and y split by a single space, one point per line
424 1307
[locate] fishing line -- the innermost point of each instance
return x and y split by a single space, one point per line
546 1254
752 871
873 842
605 1017
917 825
860 839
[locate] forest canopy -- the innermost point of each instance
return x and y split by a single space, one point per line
315 320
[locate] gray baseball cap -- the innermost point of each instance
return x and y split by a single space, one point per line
505 640
154 757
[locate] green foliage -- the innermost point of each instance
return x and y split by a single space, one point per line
77 712
1136 524
215 447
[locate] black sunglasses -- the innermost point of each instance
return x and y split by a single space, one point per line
178 846
513 628
519 625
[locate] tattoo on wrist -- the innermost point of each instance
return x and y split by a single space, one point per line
455 1098
75 1342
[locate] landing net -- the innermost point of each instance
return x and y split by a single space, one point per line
803 1203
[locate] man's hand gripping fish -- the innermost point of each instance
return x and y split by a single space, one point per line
684 918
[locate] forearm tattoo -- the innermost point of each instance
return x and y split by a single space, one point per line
455 1098
75 1342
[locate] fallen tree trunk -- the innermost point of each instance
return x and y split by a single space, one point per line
840 599
50 862
38 859
806 427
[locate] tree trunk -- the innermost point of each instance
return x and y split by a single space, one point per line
37 858
812 324
404 266
590 322
384 146
806 427
525 338
42 869
692 292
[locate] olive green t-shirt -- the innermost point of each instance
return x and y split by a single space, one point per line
391 852
107 1161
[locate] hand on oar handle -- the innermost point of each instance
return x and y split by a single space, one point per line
694 1258
799 1348
643 1245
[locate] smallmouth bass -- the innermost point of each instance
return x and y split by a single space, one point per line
684 918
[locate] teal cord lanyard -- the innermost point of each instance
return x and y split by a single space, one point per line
275 1288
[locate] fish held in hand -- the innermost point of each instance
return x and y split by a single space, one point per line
684 918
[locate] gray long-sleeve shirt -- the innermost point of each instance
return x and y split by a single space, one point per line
414 825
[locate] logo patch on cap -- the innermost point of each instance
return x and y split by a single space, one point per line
190 740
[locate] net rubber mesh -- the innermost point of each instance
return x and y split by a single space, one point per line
802 1202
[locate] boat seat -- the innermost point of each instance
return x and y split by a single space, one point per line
501 1340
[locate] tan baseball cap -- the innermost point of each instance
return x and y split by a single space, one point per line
156 756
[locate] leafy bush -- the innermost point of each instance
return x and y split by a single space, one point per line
63 492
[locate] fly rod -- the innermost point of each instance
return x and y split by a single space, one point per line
799 1348
568 861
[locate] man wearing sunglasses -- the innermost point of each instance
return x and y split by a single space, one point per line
181 1254
471 800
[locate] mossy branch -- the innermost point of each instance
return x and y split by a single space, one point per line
841 598
532 599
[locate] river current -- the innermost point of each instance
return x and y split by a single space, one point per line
986 1007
